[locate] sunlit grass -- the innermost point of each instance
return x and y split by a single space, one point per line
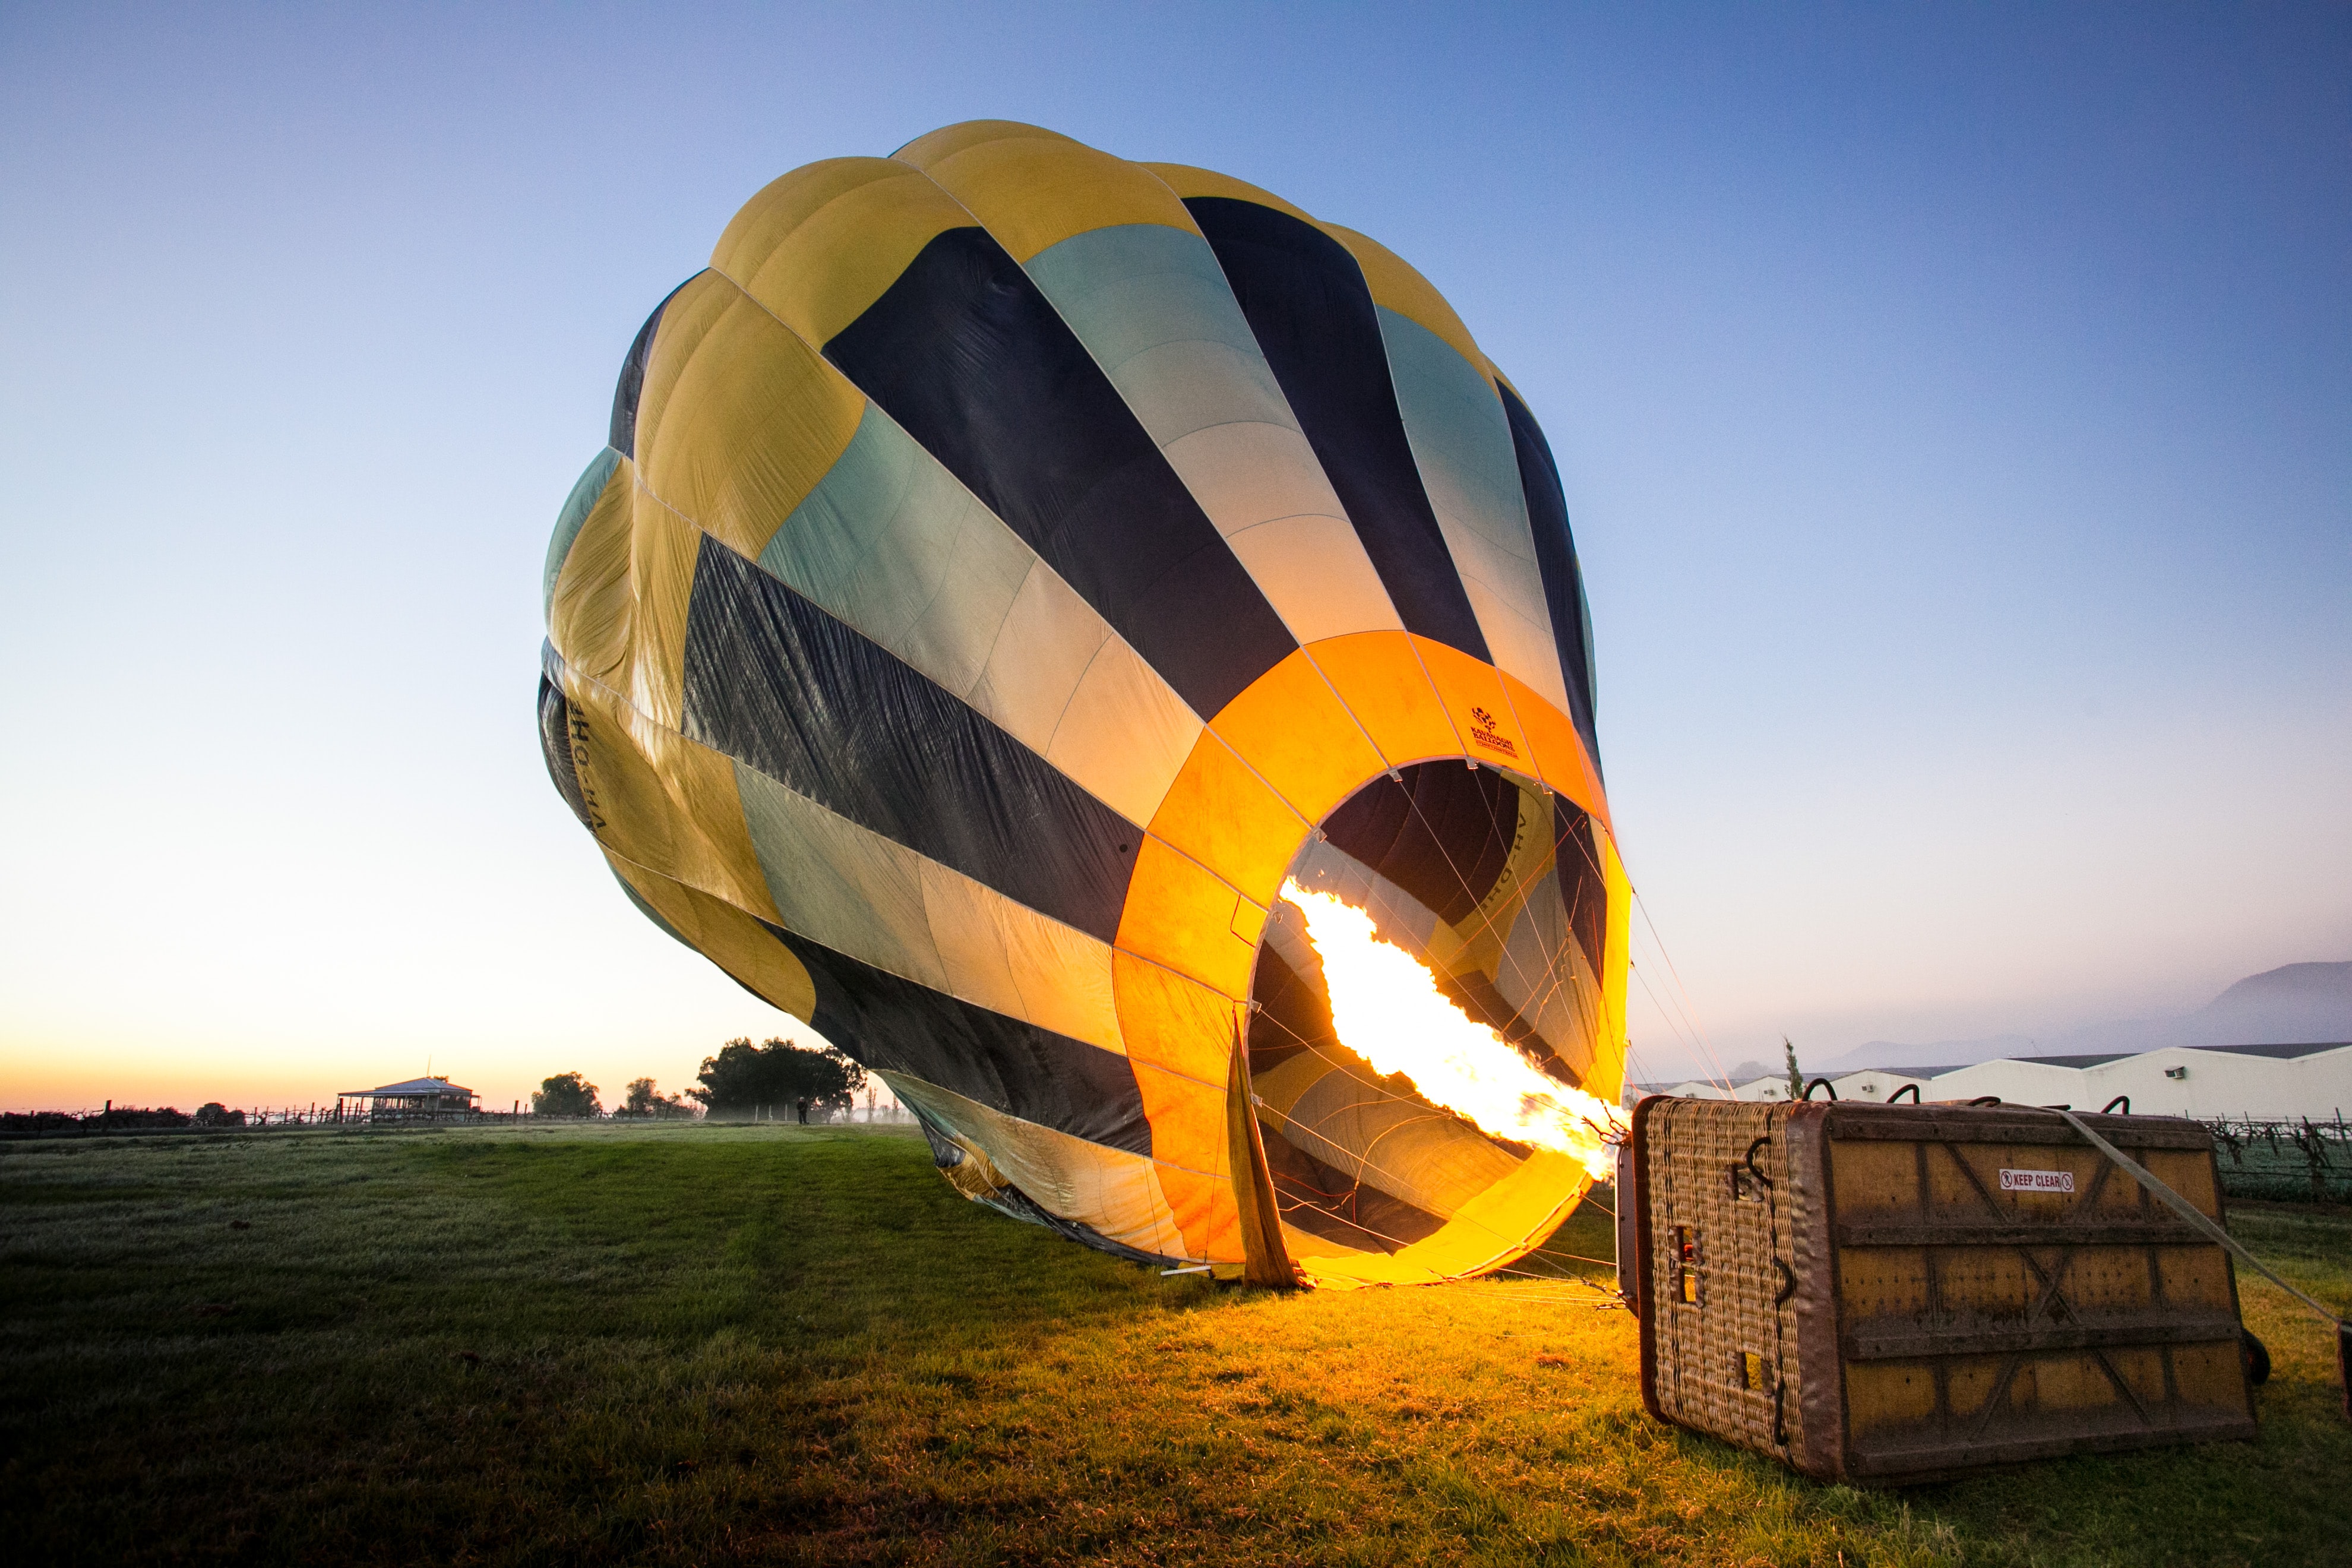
774 1343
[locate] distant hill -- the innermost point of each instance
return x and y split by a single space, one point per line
2308 1001
2297 1004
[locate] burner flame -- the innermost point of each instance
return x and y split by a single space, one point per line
1388 1009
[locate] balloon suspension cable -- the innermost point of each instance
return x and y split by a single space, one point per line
1682 1019
1345 1206
1685 1003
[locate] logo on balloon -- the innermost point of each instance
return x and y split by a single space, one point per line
1482 733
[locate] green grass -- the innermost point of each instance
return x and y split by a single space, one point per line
796 1345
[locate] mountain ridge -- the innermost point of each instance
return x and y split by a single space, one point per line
2295 1004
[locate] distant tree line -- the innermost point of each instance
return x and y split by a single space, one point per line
644 1100
566 1094
775 1079
112 1117
124 1118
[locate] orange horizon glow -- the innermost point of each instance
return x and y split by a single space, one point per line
275 1075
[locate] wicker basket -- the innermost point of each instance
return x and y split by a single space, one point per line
1895 1293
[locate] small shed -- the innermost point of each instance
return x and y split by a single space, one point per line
419 1099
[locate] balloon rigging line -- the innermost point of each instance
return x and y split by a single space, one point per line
1541 989
1681 1034
1658 940
1364 1162
1679 1018
1541 1255
1486 920
1356 1184
1605 1262
1551 981
1539 992
1652 996
1568 1288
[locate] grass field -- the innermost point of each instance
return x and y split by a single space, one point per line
781 1344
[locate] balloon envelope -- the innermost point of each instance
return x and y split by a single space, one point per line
1009 566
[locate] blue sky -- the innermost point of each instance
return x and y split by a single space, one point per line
1955 407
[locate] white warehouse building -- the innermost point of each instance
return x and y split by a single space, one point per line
2209 1082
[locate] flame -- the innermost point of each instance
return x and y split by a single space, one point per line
1388 1010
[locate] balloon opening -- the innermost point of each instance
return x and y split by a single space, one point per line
1426 1010
1388 1008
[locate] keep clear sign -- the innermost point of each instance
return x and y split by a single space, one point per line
2037 1181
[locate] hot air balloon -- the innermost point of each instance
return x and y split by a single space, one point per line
1010 569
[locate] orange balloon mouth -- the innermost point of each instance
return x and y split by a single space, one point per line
1424 1018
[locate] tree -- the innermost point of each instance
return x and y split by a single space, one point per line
566 1094
743 1077
645 1100
1796 1079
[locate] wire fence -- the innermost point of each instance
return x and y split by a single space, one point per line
113 1119
210 1118
2279 1160
2290 1160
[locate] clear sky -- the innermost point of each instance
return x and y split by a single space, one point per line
1955 406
